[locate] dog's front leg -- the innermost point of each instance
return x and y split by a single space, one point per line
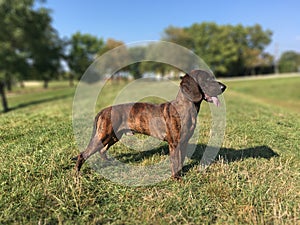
176 161
183 151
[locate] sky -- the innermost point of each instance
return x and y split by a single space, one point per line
139 20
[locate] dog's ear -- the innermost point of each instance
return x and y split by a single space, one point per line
207 82
190 88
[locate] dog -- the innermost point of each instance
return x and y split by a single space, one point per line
173 122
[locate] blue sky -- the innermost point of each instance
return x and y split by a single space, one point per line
138 20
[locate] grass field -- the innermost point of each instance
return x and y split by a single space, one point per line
255 179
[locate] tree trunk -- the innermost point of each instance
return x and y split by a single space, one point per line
46 84
9 84
3 97
71 81
22 85
253 71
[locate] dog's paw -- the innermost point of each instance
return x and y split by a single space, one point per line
177 178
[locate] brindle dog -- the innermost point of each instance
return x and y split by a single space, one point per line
173 122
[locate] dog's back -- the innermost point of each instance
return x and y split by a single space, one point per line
133 118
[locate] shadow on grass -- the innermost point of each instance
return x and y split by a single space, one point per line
140 156
39 101
227 154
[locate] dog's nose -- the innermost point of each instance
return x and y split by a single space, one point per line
223 86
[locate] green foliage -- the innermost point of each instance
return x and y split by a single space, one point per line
289 62
180 36
12 48
28 41
246 185
83 51
228 50
136 53
115 59
28 44
47 48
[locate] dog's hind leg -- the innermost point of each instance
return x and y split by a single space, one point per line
103 151
94 146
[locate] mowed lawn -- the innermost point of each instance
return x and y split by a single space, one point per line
254 180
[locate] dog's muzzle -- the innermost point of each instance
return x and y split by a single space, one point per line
214 99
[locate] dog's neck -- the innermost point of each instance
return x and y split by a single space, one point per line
183 100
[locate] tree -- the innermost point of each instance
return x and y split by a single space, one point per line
83 50
227 49
116 58
136 54
27 41
109 45
46 47
258 38
256 41
13 50
179 36
289 62
3 97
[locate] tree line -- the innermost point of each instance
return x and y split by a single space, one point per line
31 48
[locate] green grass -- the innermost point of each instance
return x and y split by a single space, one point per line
255 179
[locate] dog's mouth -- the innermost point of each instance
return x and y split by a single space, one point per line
213 99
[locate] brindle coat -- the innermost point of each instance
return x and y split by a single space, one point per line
173 122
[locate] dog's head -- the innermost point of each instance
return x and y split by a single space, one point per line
201 85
